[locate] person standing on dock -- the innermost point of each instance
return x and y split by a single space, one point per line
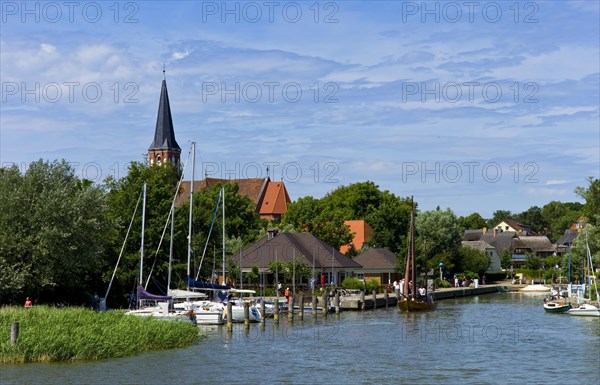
287 294
28 302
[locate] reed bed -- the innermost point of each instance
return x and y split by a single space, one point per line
49 334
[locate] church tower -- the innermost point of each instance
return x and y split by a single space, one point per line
164 148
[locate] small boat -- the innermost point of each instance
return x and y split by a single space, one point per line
416 305
556 306
585 310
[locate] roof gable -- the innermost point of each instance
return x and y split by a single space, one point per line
275 200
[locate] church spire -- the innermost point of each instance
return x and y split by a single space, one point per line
164 147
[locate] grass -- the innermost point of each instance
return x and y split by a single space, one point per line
48 334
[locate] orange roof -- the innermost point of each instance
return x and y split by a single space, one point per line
275 200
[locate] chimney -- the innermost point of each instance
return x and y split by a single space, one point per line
271 233
495 231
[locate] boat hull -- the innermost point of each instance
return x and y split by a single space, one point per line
416 305
557 307
585 310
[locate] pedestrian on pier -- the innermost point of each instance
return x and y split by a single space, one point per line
28 302
287 294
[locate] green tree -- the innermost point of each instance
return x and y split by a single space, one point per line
473 260
53 234
506 259
471 222
560 216
390 222
591 194
533 217
440 229
498 216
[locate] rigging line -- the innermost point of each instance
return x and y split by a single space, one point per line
123 246
168 221
212 223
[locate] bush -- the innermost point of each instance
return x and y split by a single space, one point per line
469 274
495 276
441 283
371 285
352 283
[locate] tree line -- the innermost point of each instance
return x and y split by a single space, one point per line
61 235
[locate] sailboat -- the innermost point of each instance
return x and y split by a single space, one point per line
588 309
161 308
411 301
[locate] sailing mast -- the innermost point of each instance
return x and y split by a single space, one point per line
409 259
189 251
223 195
142 246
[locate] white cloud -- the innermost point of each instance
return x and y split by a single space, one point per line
553 182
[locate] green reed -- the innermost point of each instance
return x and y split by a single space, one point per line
49 334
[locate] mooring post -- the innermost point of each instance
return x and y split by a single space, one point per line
229 316
362 300
385 296
262 310
325 304
246 314
276 310
301 314
314 305
14 332
337 302
374 299
291 308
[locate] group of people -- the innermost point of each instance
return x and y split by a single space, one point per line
285 292
399 287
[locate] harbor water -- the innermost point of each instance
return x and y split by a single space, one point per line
503 338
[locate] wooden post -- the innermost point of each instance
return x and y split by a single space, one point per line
262 310
246 314
337 302
362 300
314 305
385 296
229 316
14 333
325 305
301 314
276 310
374 299
291 308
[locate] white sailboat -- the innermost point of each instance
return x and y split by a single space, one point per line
588 309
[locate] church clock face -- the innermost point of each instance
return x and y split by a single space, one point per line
158 160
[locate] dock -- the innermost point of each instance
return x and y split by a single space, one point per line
355 302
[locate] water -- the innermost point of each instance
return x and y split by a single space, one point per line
497 338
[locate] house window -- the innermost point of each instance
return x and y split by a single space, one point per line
360 275
506 227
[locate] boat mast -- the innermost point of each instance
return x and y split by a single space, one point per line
413 248
171 249
223 196
142 244
408 256
189 251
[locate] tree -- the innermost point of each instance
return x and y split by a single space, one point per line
390 222
560 216
506 259
533 217
53 233
498 216
471 222
591 194
440 229
473 260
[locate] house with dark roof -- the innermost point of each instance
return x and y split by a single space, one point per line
326 261
378 264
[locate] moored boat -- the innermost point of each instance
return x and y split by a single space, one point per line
556 306
535 288
585 309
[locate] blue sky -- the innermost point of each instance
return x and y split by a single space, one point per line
476 106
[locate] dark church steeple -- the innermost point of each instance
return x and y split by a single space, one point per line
164 148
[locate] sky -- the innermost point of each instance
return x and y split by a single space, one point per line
475 106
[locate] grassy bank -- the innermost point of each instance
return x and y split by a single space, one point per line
50 334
